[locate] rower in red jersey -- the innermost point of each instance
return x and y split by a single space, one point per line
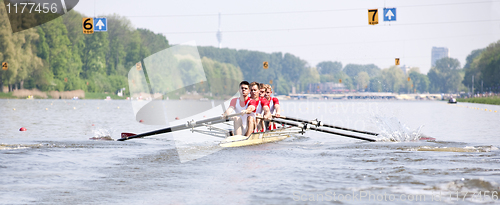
263 105
274 105
245 105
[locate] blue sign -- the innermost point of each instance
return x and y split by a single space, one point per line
389 14
100 24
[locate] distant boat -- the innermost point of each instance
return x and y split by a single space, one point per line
30 97
108 98
452 101
75 98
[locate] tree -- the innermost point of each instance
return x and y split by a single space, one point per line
362 80
445 77
329 67
154 42
486 67
420 82
392 79
471 69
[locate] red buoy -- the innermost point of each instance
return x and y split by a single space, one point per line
22 129
176 118
141 121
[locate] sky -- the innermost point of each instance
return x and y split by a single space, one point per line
317 31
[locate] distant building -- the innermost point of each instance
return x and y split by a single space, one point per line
405 69
327 88
438 53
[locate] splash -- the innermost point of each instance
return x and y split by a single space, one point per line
392 130
101 134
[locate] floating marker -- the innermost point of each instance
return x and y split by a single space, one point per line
141 121
46 108
14 108
22 129
74 108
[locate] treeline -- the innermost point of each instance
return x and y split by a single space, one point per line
447 76
284 70
58 56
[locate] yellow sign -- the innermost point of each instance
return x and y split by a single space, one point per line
271 82
88 25
397 61
5 66
409 79
266 65
340 80
65 80
372 16
138 66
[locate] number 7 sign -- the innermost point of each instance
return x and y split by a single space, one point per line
372 16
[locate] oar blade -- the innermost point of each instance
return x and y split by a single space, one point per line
127 134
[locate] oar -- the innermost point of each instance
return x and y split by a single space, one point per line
188 125
320 130
327 125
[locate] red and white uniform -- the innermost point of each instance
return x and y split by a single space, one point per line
262 102
272 102
235 102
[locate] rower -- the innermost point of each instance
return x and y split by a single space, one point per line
263 106
274 105
245 105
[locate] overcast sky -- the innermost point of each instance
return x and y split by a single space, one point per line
319 30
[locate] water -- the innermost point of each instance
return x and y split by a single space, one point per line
54 162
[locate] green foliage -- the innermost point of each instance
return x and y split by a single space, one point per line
353 69
484 65
223 78
420 82
285 70
494 100
445 77
310 76
362 80
328 67
154 42
375 84
392 79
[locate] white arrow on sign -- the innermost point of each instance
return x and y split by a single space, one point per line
389 14
100 24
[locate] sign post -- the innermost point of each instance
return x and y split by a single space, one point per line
5 66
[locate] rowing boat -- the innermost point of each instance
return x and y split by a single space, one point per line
260 137
293 126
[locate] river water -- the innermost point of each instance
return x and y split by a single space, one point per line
54 162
